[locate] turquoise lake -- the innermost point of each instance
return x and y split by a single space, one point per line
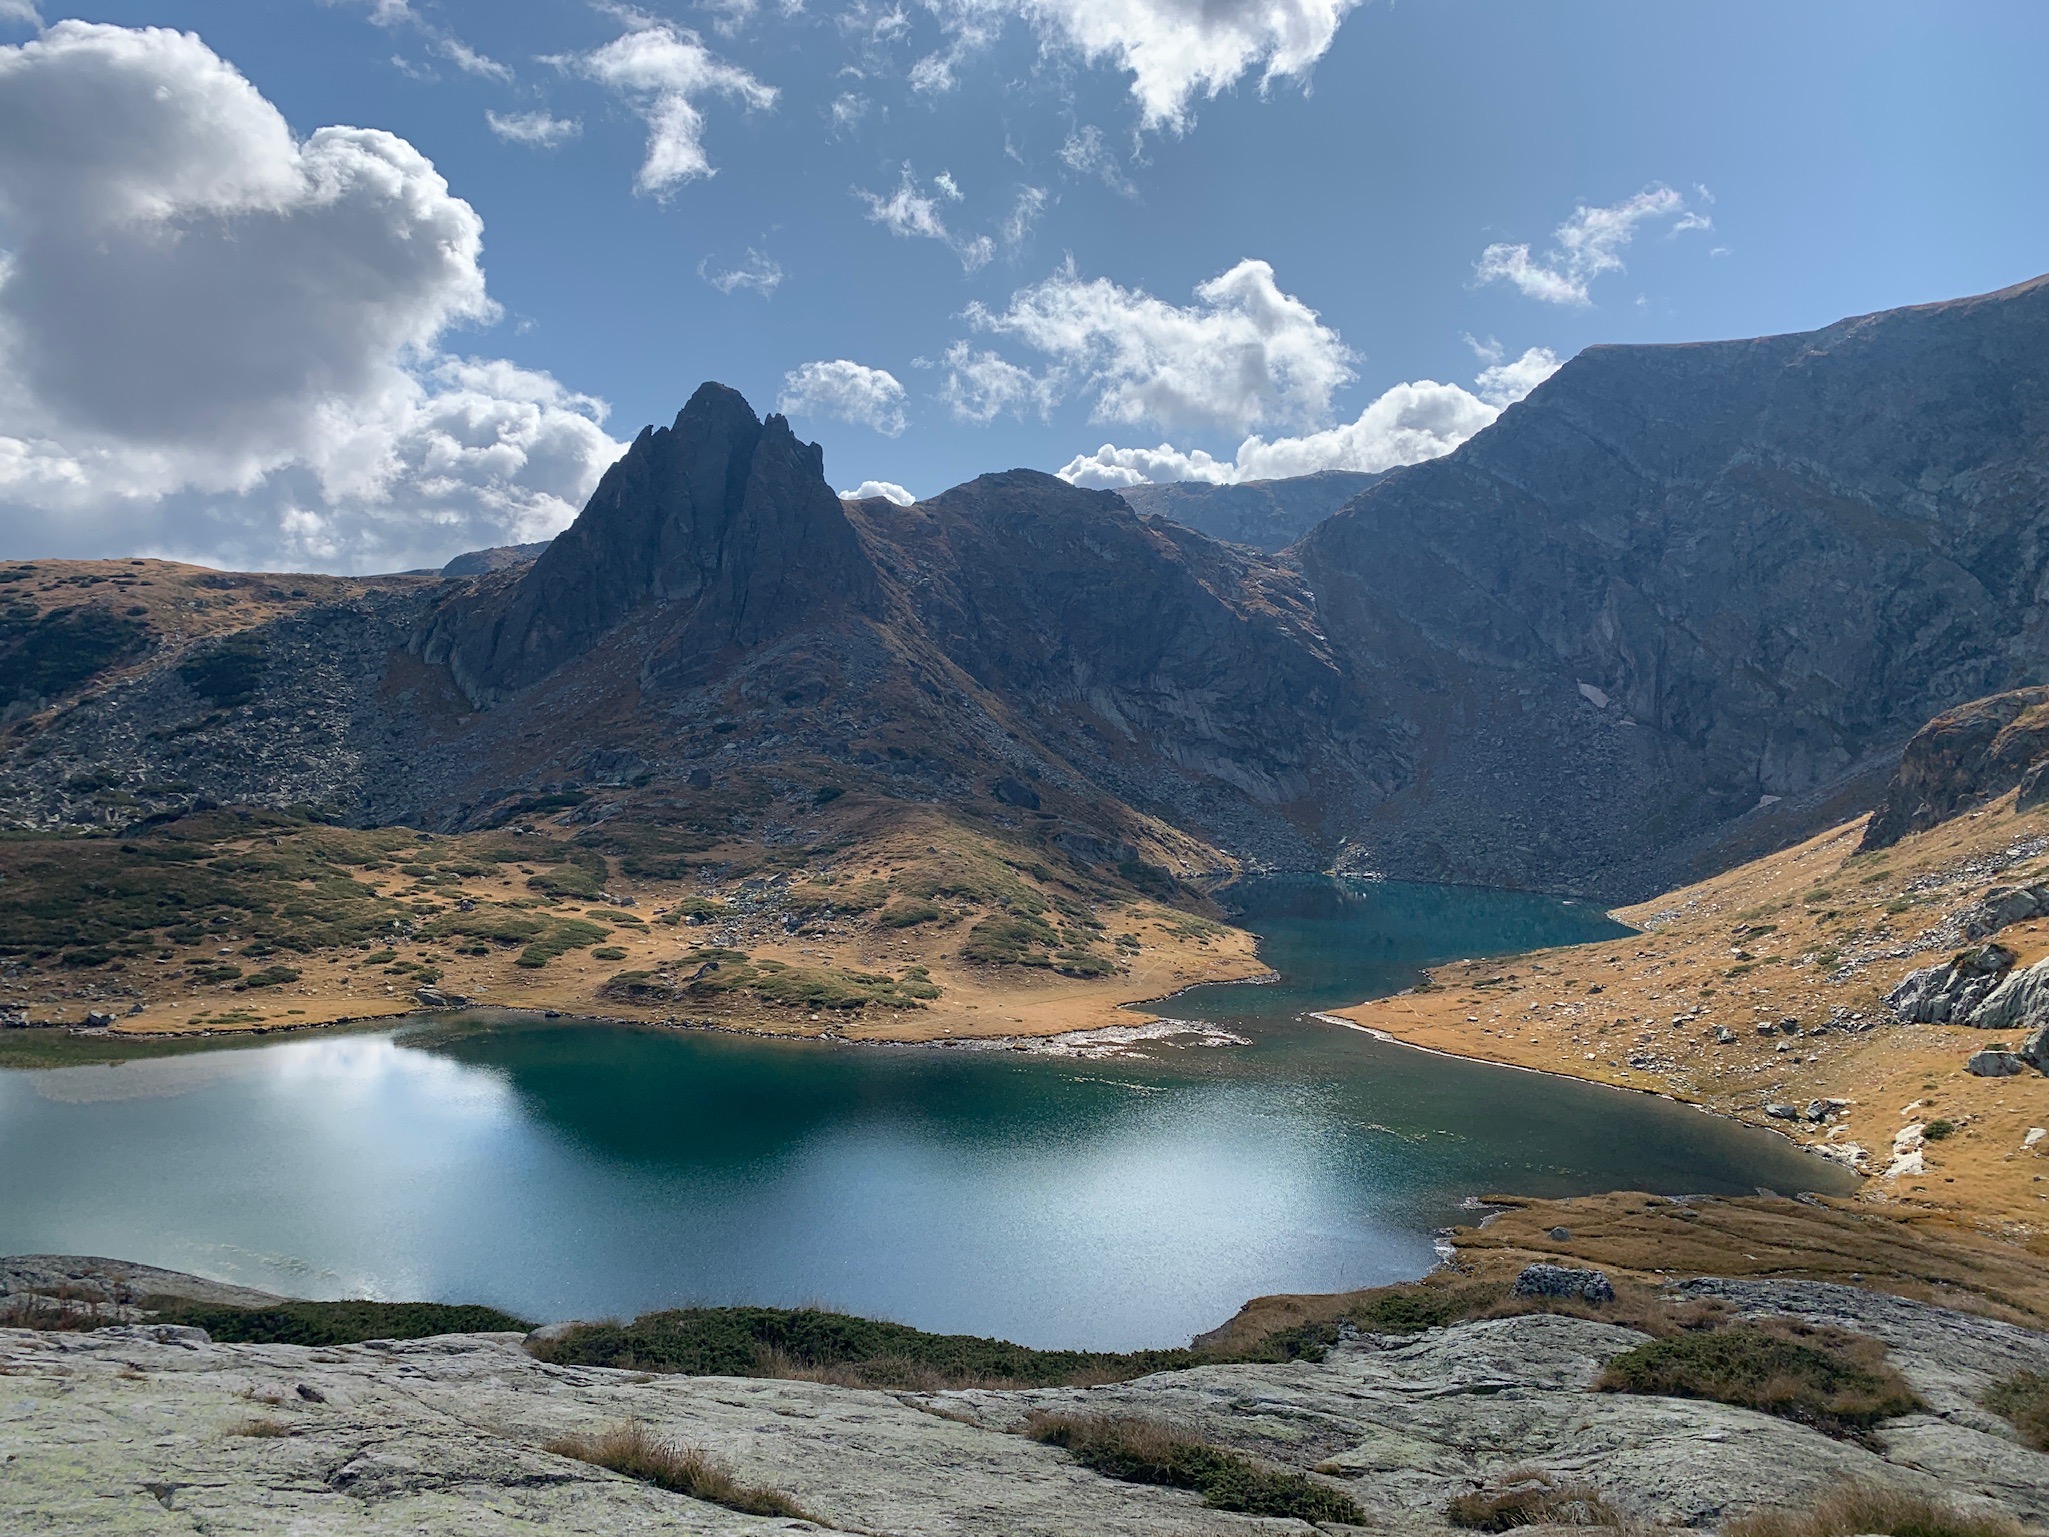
562 1169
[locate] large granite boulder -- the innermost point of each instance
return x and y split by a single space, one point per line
1950 994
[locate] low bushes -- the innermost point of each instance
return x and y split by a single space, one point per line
2023 1401
331 1323
1866 1508
1530 1497
1145 1451
1836 1383
637 1452
812 1343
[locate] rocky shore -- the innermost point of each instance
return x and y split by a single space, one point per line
154 1429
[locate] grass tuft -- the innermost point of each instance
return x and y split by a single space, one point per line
1530 1497
1867 1508
637 1452
2023 1401
1143 1451
260 1429
1829 1380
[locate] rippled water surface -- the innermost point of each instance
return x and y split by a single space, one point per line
573 1170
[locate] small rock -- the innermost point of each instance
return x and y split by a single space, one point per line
1789 1027
1779 1112
1541 1280
98 1021
1560 1234
1724 1035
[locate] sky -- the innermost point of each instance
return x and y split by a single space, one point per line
354 285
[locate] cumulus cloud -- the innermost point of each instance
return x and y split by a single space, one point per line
981 386
1174 50
1245 355
888 490
1405 425
222 341
758 272
847 392
1585 246
664 72
536 128
21 12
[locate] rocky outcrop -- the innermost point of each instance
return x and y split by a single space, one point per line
725 518
500 557
2021 1002
149 1429
1963 758
2003 906
1269 515
1951 994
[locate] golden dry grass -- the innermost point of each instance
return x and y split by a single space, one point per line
1868 1508
638 1452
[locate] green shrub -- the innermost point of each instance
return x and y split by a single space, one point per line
331 1323
270 976
1837 1383
608 953
902 914
1144 1451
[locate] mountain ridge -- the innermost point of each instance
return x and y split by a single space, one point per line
1677 604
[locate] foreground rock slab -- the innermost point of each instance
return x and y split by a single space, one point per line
146 1429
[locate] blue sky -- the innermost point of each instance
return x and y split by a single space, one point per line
953 235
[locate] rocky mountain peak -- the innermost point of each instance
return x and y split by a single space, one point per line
724 517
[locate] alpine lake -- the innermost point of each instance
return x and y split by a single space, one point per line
1105 1195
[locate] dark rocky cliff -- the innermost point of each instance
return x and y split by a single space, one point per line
1678 581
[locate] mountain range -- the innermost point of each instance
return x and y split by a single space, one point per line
1680 605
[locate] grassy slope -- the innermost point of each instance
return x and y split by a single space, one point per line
1795 936
914 926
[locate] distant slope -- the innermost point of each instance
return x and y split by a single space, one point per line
498 558
1266 514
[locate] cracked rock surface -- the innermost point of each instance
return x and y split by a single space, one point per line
143 1429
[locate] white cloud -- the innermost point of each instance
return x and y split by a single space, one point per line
469 61
981 386
1405 425
910 213
1174 50
216 339
1585 246
846 391
1245 356
20 11
757 272
888 490
847 110
395 14
535 128
1087 154
664 71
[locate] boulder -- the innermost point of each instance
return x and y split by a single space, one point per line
1779 1112
1541 1280
1995 1064
1948 994
2035 1050
2020 1002
2003 906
